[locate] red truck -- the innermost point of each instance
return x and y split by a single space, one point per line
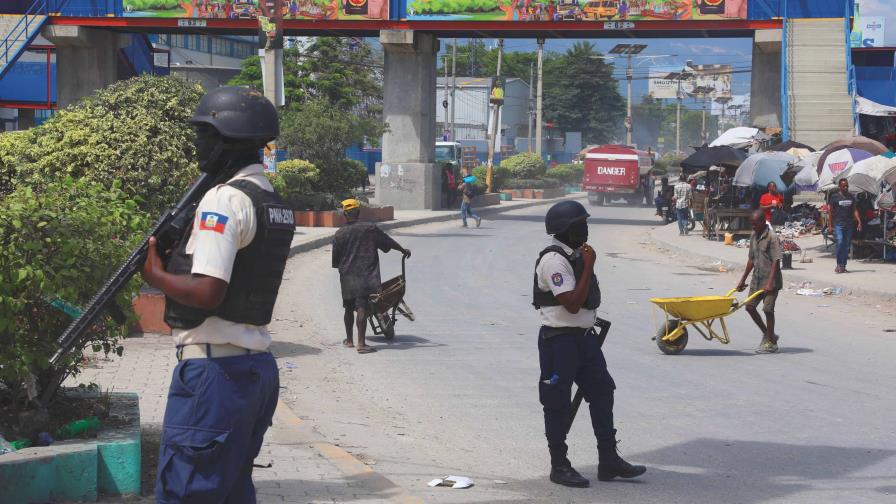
618 171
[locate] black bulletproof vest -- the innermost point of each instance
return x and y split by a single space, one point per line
257 269
541 298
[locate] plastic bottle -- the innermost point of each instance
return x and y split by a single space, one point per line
78 428
5 446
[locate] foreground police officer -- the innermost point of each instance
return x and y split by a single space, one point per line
220 284
567 294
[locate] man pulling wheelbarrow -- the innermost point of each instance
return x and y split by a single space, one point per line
355 254
765 263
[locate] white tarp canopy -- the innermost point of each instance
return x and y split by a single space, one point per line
868 107
866 175
808 175
738 138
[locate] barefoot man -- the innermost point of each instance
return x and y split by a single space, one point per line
355 255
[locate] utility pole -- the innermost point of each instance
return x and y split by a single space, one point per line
629 73
452 136
445 101
538 97
493 131
530 109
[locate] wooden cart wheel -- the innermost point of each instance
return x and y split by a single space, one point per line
671 347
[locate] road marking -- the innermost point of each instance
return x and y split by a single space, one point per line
347 463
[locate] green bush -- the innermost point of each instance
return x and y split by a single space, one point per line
500 175
14 148
294 178
134 132
542 183
567 173
526 165
340 178
59 244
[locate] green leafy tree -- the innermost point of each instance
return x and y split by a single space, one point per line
581 94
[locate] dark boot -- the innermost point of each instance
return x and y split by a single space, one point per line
567 476
611 465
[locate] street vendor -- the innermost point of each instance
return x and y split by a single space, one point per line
771 201
764 261
355 254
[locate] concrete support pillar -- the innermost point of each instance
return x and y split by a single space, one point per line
765 88
86 60
25 119
408 178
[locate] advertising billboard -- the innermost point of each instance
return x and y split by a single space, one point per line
249 9
607 11
710 82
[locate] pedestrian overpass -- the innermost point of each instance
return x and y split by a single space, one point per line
802 78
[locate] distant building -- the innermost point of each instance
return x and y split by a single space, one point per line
209 60
472 110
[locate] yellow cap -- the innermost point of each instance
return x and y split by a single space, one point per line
350 204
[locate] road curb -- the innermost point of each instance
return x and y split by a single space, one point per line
347 463
498 209
884 296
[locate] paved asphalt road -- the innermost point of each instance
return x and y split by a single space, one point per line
456 392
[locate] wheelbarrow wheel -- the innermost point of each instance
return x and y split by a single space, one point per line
676 346
388 327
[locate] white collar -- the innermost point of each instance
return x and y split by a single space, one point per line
248 171
562 245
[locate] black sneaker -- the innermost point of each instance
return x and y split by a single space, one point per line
567 476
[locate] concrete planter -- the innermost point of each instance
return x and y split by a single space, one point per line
485 200
334 218
79 470
150 309
535 193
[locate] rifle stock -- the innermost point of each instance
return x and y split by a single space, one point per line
168 230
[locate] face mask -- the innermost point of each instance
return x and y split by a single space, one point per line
577 234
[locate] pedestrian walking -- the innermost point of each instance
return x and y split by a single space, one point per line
220 286
449 182
764 261
682 198
466 188
355 254
566 293
844 221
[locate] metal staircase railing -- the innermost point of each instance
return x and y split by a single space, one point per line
21 34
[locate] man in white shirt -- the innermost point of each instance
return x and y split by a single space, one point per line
220 283
567 294
683 196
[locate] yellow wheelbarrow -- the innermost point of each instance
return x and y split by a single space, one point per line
699 312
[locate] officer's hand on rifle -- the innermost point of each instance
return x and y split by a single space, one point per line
153 267
406 253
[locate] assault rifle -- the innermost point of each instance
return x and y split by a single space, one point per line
603 327
168 231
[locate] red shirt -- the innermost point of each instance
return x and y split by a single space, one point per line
769 199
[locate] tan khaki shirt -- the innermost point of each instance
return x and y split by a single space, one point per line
765 249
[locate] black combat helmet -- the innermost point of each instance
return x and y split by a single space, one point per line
238 113
562 215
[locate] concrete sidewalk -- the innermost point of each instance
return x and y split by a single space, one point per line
870 278
306 468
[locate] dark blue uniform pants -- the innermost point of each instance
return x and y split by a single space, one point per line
566 359
217 413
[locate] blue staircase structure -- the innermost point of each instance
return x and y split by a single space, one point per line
18 31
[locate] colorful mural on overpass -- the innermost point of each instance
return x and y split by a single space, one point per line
576 10
249 9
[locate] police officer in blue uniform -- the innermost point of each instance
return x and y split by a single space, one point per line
566 293
220 283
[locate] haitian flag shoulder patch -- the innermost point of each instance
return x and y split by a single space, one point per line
211 221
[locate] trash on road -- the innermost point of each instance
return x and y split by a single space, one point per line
289 365
452 481
827 291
